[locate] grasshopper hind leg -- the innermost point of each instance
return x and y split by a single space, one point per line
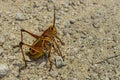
20 45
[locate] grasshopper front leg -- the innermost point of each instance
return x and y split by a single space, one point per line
60 40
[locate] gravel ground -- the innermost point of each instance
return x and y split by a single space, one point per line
89 28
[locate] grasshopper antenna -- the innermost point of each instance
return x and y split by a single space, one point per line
54 17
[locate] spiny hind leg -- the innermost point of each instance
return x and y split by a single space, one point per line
33 35
20 45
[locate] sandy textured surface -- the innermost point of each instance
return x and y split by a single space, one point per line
89 28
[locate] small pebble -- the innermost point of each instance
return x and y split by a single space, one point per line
20 17
36 5
8 13
72 21
72 78
40 79
96 23
54 73
75 50
1 51
48 7
67 24
45 17
0 28
4 0
72 57
2 40
12 36
3 69
58 78
51 1
66 9
59 62
0 13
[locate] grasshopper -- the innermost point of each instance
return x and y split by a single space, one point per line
44 43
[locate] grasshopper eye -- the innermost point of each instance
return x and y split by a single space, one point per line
52 28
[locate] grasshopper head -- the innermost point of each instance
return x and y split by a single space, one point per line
53 30
52 27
